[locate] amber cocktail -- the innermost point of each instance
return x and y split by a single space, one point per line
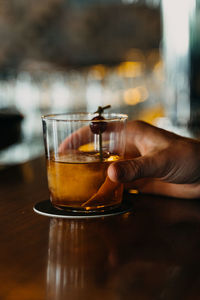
76 167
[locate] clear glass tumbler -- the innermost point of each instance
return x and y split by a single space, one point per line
79 151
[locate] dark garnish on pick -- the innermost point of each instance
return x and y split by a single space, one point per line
99 127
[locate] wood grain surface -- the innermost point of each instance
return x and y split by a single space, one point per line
152 252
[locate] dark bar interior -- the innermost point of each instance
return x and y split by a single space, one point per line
141 58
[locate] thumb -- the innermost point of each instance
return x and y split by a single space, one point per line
140 167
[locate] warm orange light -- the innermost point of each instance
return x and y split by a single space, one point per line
136 95
158 70
150 115
98 71
130 69
133 191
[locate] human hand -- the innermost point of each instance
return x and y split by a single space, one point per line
159 162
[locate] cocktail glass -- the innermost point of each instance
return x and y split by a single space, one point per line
78 159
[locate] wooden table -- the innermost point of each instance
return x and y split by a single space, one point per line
151 253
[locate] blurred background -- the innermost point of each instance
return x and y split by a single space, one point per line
140 56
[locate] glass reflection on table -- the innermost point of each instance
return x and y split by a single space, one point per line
150 253
80 257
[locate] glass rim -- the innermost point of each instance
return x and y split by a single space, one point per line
112 117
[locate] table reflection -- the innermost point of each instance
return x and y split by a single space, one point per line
80 259
150 253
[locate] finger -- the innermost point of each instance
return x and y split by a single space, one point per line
131 153
141 167
76 139
157 187
105 192
84 136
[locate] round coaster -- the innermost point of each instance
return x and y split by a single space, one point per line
45 208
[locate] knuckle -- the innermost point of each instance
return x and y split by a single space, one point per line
135 169
120 172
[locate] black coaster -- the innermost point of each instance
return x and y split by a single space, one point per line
45 208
